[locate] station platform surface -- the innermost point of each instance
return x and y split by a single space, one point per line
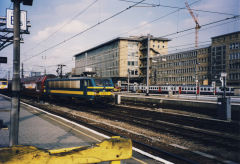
39 129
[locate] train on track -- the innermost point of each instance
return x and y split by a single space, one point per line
182 89
82 88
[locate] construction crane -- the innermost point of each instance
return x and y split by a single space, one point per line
197 27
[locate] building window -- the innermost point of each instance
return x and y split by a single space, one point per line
136 72
132 72
237 45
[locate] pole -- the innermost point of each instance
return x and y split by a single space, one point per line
14 117
128 81
85 61
224 87
60 66
22 71
148 50
196 79
44 58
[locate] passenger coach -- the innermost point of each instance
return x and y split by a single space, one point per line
81 88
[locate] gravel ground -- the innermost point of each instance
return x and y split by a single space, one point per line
152 137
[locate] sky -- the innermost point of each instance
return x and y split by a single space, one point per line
56 21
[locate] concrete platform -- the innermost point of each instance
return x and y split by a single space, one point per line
38 129
198 106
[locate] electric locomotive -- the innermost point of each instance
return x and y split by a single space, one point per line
87 88
3 84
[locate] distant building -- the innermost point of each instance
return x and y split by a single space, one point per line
182 68
32 74
225 57
202 65
119 57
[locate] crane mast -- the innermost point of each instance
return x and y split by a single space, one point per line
197 27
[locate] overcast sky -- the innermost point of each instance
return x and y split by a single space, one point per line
47 17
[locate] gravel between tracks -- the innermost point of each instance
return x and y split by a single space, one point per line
151 136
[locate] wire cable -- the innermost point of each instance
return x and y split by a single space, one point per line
202 29
66 23
152 21
175 7
210 23
97 24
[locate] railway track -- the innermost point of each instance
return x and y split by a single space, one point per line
198 122
175 158
195 134
153 122
217 134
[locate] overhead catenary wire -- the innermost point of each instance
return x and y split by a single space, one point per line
175 7
62 26
202 29
207 24
125 46
89 28
154 20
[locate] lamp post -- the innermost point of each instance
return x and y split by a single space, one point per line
223 80
196 79
148 51
128 79
155 72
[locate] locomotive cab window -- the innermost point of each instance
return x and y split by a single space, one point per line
3 83
87 83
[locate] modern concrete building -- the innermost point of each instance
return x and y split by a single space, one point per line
182 68
225 57
202 65
120 57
